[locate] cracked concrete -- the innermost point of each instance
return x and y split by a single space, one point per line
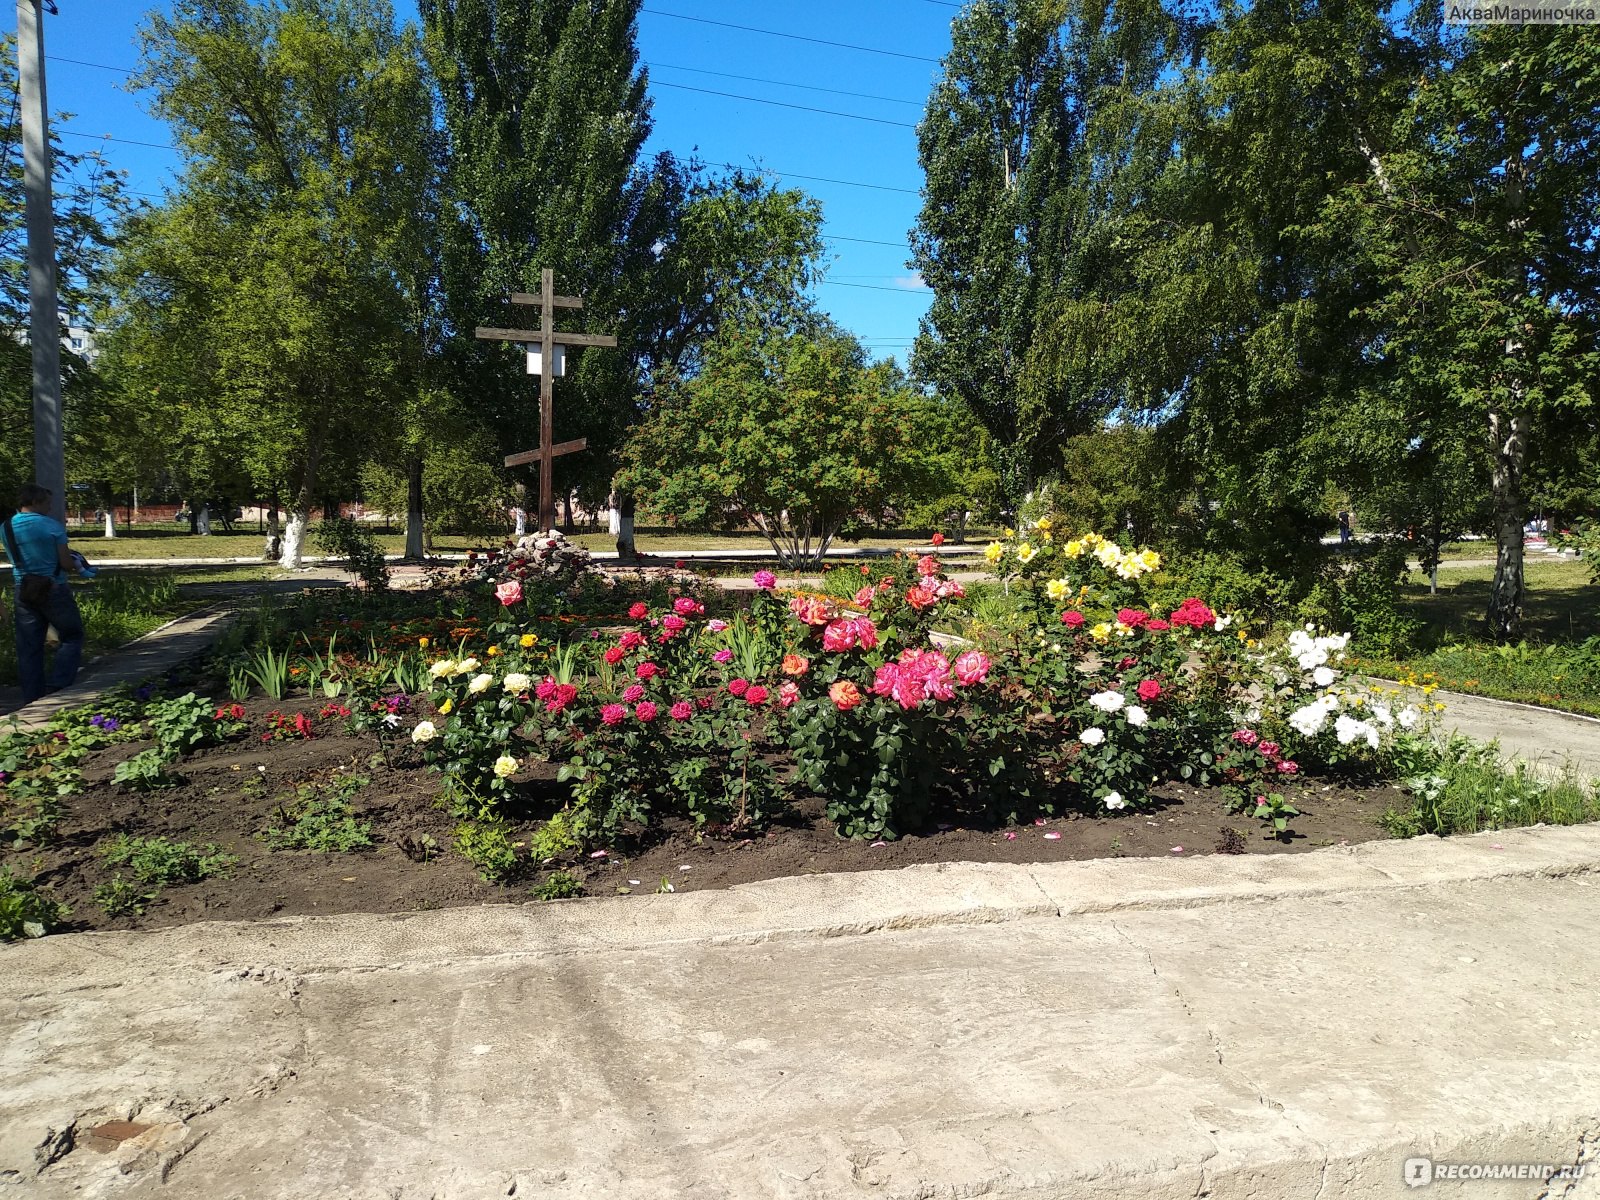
1275 1027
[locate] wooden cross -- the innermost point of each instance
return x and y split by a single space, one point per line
547 339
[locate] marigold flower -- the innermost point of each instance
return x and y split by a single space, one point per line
528 640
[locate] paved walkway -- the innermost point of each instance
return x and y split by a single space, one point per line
1278 1028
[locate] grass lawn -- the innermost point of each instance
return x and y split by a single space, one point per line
1556 664
177 542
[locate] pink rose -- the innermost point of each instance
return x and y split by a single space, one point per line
716 626
646 711
865 596
756 694
633 694
1287 766
921 597
972 667
681 711
765 580
908 691
613 654
673 623
723 656
927 565
546 688
687 606
631 640
510 592
866 633
839 636
613 714
738 687
1072 618
647 670
788 693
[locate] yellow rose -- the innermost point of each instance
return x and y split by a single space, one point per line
1008 533
445 707
1074 548
1100 632
1025 553
994 552
1057 589
1044 525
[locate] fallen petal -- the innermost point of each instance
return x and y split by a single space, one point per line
1010 836
1177 850
635 882
598 854
1052 837
1038 820
875 845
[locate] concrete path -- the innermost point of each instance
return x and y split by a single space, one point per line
1552 742
1275 1028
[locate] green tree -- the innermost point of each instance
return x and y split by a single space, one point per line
788 429
1036 133
266 303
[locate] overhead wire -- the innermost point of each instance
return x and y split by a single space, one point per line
797 37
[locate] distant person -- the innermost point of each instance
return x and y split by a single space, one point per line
40 560
1344 529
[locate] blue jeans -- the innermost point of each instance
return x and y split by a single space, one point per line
60 610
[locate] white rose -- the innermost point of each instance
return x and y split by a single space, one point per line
480 683
1107 701
1323 676
1347 729
442 668
424 732
1409 716
1137 715
1222 623
505 766
517 682
1114 801
1092 736
466 666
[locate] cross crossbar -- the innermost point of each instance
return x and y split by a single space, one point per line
489 334
536 300
529 456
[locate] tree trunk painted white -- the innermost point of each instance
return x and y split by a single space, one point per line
203 521
111 524
414 546
294 537
521 515
613 520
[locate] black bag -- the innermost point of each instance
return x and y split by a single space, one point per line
34 590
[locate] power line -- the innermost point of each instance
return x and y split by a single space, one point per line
661 66
78 62
878 287
657 12
832 237
879 187
683 87
106 137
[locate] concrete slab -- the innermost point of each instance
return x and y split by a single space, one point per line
1291 1027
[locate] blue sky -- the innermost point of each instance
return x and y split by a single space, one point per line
870 290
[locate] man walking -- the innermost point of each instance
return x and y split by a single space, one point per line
40 560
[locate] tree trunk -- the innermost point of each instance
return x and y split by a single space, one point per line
194 518
273 550
111 523
203 521
1508 439
622 505
566 506
294 537
521 516
414 547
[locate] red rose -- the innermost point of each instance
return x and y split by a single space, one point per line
1072 618
1149 689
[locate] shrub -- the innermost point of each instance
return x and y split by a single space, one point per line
488 846
349 539
26 912
164 863
122 897
559 885
321 820
144 772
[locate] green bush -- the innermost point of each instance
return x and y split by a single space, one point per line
349 539
1461 786
122 898
488 846
144 772
321 820
25 912
159 861
560 885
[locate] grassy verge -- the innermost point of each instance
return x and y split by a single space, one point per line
1461 786
1558 663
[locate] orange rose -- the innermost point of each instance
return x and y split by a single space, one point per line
845 695
795 664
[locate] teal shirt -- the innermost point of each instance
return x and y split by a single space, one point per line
35 538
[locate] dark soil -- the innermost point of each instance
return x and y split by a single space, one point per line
231 793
